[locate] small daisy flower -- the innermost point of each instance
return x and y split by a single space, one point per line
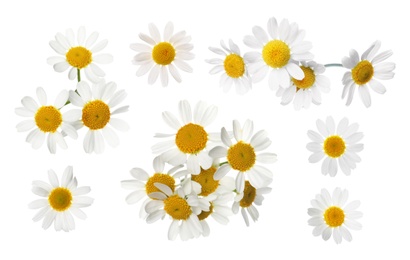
339 145
162 55
366 72
96 113
331 215
60 200
246 200
233 68
278 53
47 120
308 90
242 156
80 54
189 144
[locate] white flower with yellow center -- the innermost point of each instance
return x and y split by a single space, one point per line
278 53
243 156
96 113
80 54
233 68
162 55
60 200
247 199
189 144
331 215
47 120
366 71
339 145
308 90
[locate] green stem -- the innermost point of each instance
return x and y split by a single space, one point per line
223 163
333 65
78 75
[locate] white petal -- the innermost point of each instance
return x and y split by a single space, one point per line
316 157
110 136
222 171
119 124
185 111
103 58
171 120
365 95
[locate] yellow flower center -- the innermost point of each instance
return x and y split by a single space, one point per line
276 53
60 199
204 214
362 72
177 207
163 53
241 156
191 138
48 118
307 81
96 114
249 195
334 216
334 146
206 179
234 66
161 178
79 57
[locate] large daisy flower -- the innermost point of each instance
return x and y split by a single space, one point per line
97 114
80 54
47 120
189 144
278 53
366 71
242 156
60 200
339 145
308 90
232 66
163 54
331 215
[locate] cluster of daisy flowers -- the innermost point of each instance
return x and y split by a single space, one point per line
197 184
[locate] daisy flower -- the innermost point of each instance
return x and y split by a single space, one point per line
96 113
366 71
308 90
339 145
233 68
246 200
158 56
242 156
331 215
277 52
189 144
47 120
80 54
60 200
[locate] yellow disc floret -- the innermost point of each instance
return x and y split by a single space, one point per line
334 146
206 179
191 138
204 214
241 156
234 66
96 114
307 81
249 195
362 72
160 178
60 199
163 53
48 118
79 57
276 54
177 207
334 216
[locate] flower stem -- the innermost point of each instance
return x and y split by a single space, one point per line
223 163
78 75
333 65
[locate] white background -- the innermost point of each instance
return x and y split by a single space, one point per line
113 229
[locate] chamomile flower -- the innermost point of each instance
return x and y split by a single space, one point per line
78 54
47 120
243 156
331 215
233 68
339 145
308 90
277 52
247 199
189 144
61 200
158 56
96 113
366 72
